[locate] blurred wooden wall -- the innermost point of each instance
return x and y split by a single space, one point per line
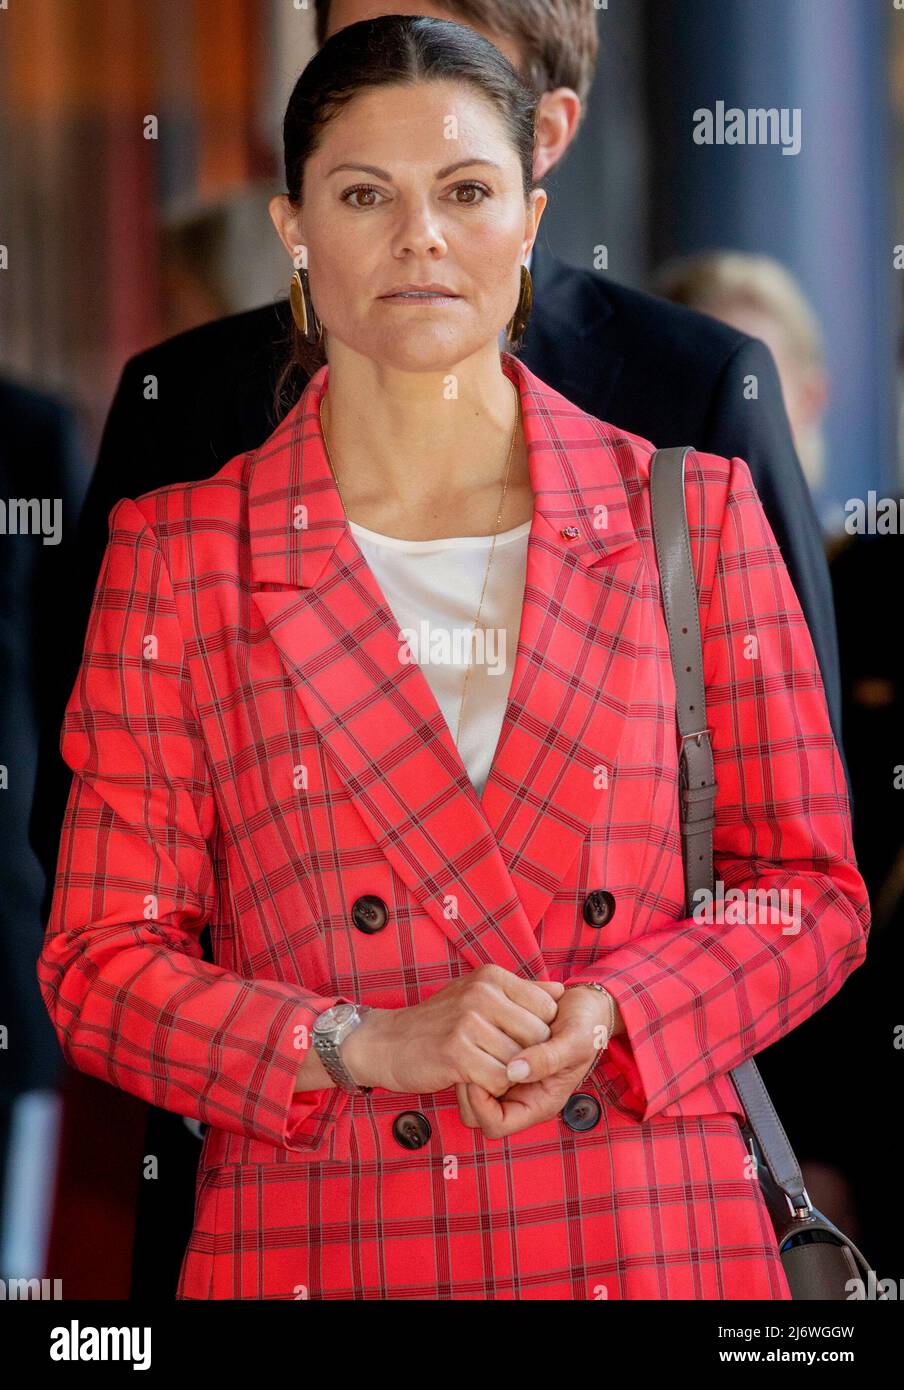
86 196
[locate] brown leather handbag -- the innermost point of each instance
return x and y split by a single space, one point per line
817 1257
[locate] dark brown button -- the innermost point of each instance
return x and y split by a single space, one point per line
411 1129
581 1111
598 908
369 914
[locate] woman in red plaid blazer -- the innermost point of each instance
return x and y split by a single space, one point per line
250 754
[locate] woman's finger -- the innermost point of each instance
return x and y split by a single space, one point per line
518 1109
464 1106
564 1051
484 1106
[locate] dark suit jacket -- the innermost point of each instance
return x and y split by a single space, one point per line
186 406
40 457
864 571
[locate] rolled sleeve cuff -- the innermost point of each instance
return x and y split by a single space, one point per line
616 1071
310 1115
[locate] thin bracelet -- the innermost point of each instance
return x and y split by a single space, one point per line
591 984
601 989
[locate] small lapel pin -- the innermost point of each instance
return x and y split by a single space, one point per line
570 532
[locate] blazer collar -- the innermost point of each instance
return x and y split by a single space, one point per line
484 868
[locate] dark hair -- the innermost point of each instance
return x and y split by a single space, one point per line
558 40
392 50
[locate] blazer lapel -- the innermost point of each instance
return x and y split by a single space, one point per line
483 868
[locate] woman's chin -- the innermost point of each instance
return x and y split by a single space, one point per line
412 352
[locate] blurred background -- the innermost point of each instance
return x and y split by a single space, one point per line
140 146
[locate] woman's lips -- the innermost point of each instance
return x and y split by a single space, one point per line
409 297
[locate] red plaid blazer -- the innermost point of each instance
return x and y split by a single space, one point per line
249 753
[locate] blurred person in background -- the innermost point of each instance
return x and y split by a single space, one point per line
658 370
760 296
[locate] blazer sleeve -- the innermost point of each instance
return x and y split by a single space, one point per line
121 969
125 436
698 997
758 430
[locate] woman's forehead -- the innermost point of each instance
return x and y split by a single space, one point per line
416 120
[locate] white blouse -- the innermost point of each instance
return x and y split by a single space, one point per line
433 590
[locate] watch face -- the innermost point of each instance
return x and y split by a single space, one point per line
333 1018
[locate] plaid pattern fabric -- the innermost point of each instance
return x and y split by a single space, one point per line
250 753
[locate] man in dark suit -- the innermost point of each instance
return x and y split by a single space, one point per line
186 406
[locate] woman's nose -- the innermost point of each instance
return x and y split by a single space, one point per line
419 230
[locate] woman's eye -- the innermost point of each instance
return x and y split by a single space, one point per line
360 188
471 187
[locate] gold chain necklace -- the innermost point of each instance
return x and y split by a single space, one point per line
495 531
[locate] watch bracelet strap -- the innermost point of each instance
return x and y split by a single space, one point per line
334 1064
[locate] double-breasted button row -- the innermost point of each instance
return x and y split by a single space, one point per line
369 914
412 1130
599 907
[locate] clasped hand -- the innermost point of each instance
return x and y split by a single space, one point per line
551 1070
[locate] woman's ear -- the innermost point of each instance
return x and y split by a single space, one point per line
538 201
285 219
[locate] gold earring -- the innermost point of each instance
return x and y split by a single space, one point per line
518 322
304 316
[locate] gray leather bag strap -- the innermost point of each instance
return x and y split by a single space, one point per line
697 789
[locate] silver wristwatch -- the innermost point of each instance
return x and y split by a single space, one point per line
330 1030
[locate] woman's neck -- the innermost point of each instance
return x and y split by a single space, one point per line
403 446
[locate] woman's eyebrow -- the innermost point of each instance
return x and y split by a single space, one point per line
387 178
